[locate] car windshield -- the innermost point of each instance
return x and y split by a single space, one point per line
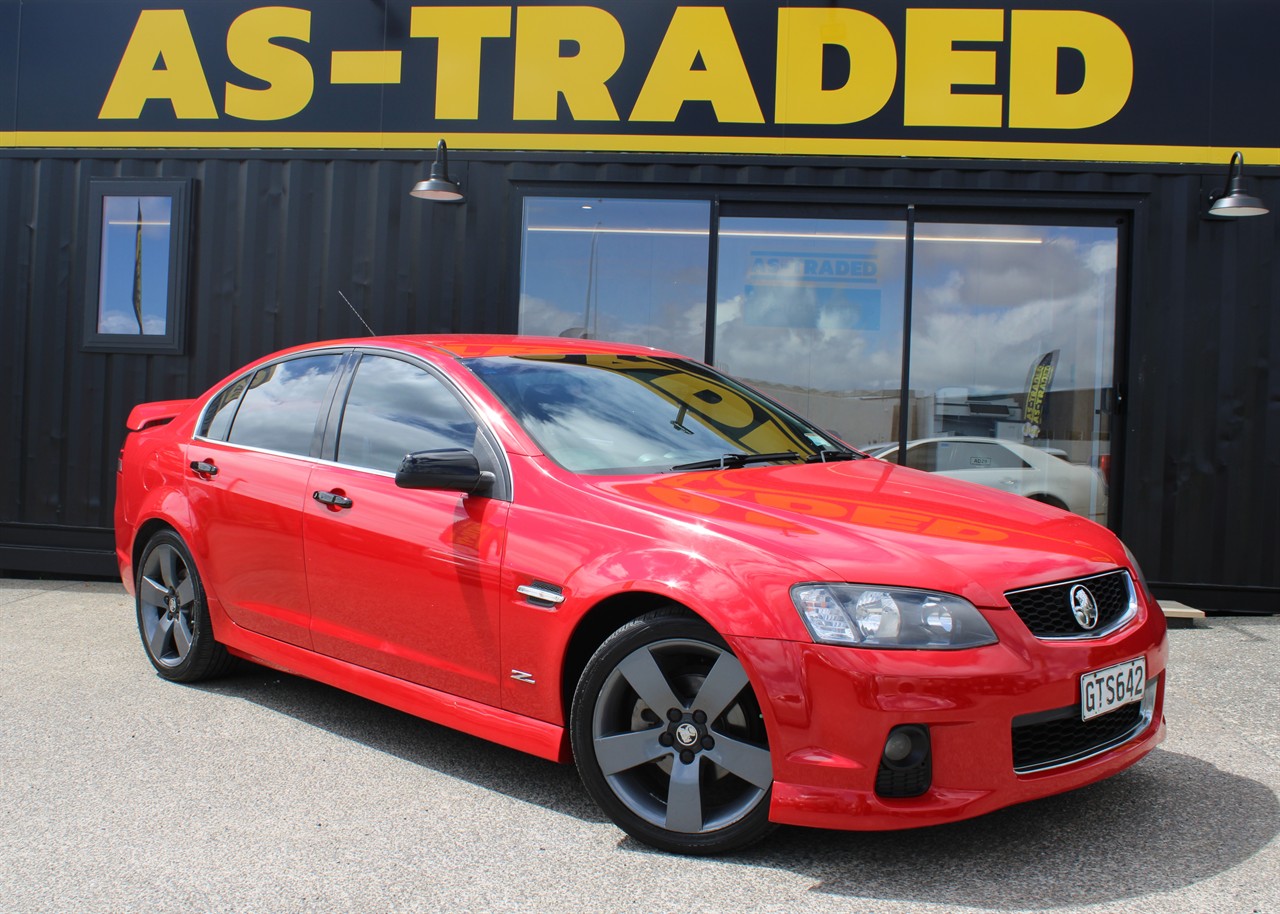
618 414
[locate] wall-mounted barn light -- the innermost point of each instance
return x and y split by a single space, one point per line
439 186
1234 200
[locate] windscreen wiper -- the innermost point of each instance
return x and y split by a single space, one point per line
733 461
831 454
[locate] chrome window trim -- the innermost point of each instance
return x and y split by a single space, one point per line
252 449
494 442
340 350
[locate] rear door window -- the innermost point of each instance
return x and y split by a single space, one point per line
279 410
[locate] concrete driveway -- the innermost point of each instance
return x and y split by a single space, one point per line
121 792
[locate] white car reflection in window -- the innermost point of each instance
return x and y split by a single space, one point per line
1040 473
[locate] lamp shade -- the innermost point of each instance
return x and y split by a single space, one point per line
438 185
1236 201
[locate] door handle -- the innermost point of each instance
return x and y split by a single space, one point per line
204 468
332 499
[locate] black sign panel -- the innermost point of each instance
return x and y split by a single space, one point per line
1124 80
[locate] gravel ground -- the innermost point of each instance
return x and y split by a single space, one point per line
120 792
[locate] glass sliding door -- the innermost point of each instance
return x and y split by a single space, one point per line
1012 358
634 271
1006 378
810 312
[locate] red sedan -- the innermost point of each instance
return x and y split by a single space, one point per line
616 556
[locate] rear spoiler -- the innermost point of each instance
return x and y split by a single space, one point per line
149 415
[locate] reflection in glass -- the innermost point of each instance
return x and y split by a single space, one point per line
628 414
1012 338
1041 473
133 288
810 311
280 408
221 410
395 409
634 271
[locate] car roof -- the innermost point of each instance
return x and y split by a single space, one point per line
476 345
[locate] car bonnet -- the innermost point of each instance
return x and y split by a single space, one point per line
869 521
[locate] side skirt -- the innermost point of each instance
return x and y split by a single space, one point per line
548 741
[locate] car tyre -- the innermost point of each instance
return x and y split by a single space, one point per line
173 613
669 737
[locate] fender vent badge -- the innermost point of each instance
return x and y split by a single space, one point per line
541 594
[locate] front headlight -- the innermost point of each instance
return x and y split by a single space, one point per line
889 617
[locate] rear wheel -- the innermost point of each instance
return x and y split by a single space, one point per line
173 615
669 737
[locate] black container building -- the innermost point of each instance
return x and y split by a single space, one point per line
972 231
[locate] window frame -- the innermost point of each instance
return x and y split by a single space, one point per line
173 340
323 417
322 403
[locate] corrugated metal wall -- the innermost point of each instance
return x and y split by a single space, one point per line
275 239
273 243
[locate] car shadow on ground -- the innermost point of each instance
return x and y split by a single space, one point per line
1167 823
1170 821
444 750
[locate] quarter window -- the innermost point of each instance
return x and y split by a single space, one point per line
221 410
395 409
281 406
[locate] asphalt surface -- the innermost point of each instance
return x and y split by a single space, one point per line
121 792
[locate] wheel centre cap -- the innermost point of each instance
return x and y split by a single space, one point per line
687 735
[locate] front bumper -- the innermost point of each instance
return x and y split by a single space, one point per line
830 709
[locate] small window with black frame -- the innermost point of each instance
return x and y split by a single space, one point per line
136 270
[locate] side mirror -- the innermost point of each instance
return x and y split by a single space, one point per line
452 469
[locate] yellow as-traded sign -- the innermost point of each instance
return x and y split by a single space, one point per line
755 76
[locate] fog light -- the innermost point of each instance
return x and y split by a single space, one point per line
906 747
906 763
898 747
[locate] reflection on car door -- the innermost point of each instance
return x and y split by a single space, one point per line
248 492
404 581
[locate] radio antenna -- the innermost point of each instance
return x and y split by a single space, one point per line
357 313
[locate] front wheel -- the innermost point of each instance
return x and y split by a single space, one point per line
669 737
173 615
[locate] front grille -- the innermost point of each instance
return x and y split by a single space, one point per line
1060 737
1047 610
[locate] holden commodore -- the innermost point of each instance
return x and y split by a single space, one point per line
615 556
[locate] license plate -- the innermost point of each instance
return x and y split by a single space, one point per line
1105 690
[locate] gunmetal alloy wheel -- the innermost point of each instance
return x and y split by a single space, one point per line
669 737
173 617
